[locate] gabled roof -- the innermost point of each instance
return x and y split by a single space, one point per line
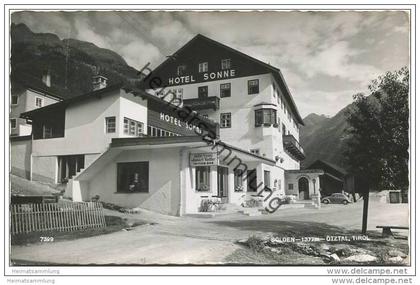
106 92
278 76
70 101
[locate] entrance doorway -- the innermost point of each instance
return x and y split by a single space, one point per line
251 180
68 166
222 183
303 189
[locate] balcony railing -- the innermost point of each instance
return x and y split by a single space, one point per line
212 102
292 146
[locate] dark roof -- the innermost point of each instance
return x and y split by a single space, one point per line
105 92
20 138
32 82
278 76
304 171
67 102
264 103
121 142
328 164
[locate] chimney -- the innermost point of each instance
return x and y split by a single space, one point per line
46 78
99 82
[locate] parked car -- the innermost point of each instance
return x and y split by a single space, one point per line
336 198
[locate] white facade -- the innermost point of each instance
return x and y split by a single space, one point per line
85 133
243 133
23 100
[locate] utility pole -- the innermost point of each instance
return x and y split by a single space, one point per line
365 186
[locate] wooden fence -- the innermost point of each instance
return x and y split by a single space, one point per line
61 216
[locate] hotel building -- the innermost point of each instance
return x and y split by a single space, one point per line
148 146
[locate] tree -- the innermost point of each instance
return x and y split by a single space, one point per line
378 140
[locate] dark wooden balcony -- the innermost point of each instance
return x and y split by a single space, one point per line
212 102
292 146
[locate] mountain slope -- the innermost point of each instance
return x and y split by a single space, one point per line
72 63
324 138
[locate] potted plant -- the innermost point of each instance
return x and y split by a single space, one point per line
203 187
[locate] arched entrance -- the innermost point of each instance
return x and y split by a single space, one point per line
303 188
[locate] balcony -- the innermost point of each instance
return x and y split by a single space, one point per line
212 102
292 146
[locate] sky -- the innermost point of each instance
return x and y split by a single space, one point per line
326 57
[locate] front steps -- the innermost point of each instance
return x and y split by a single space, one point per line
307 204
229 208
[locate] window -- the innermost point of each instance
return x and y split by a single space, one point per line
283 129
39 102
47 132
133 177
176 93
203 67
253 86
290 186
226 63
110 125
255 151
133 128
179 93
265 117
238 180
13 123
202 178
225 120
224 90
156 132
203 92
139 128
267 183
181 70
15 99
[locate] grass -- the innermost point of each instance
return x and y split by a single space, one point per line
257 250
113 224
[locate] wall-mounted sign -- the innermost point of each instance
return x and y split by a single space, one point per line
177 122
205 76
204 159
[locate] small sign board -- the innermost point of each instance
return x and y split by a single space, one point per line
204 159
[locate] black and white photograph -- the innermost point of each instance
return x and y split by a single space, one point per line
194 138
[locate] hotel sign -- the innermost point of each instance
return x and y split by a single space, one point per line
179 123
204 159
205 76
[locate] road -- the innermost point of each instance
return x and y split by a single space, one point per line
187 240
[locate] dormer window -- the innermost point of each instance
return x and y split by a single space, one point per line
226 63
203 67
39 102
15 99
181 70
